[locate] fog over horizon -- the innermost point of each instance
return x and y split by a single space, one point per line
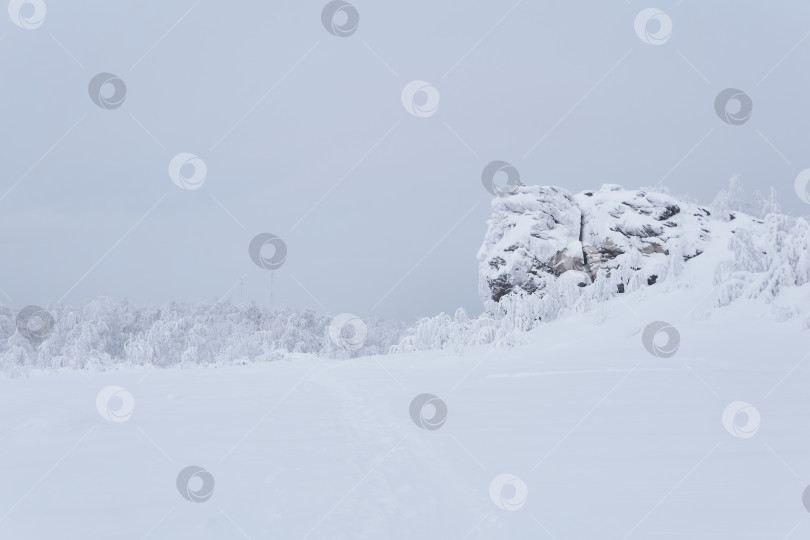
304 135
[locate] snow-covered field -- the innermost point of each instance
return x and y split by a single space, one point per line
603 439
638 367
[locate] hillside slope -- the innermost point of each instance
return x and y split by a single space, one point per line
602 439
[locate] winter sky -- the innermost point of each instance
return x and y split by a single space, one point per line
304 135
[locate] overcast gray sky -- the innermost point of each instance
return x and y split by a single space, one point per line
304 135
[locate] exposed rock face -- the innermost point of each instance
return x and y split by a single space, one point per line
541 234
533 234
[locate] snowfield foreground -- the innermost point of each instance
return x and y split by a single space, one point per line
598 438
640 371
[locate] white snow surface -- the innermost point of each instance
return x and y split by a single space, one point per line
610 441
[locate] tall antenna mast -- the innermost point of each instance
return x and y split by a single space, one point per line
268 263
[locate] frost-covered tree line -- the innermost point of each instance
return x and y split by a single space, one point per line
104 333
767 258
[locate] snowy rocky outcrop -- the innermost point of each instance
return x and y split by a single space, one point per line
533 237
548 253
540 237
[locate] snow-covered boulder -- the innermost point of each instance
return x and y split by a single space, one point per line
639 230
540 236
533 235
